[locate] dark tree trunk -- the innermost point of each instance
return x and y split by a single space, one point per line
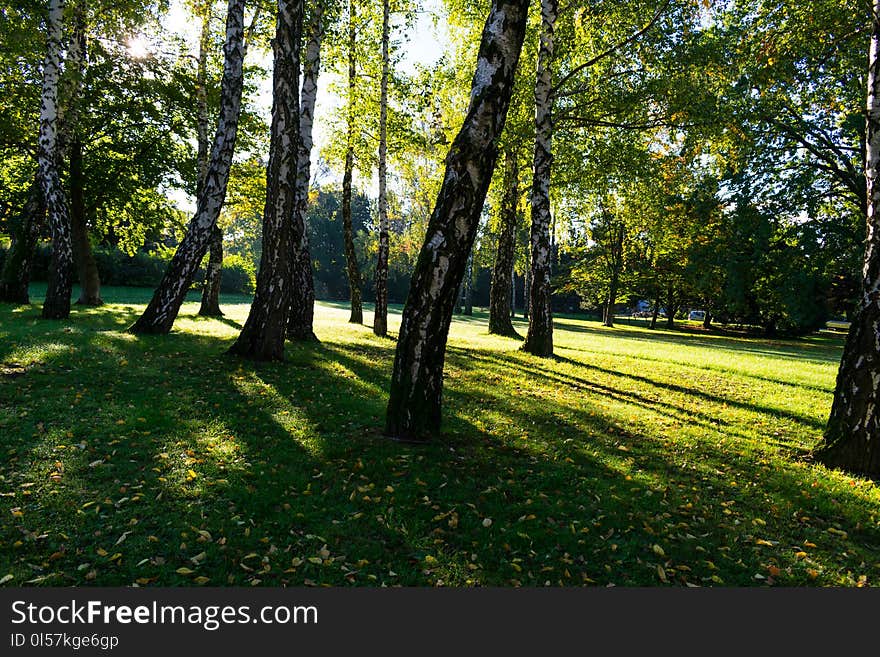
539 339
655 313
86 268
414 406
502 273
468 287
262 337
527 284
165 304
300 323
380 316
707 320
57 302
616 236
513 295
354 274
213 275
671 308
16 273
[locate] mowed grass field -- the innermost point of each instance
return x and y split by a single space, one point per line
634 458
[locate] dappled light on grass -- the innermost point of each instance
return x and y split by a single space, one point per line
634 458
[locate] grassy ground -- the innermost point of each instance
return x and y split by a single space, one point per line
635 457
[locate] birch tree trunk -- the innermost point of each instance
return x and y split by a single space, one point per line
57 303
70 144
502 272
852 436
354 275
300 324
380 316
414 406
262 337
168 297
211 290
15 276
539 340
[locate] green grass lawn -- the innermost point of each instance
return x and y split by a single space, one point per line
635 457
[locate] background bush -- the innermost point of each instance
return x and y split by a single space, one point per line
146 269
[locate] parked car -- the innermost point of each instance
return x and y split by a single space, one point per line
697 315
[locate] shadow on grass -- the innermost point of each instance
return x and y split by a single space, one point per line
293 483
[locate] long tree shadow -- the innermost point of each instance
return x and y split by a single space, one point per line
292 475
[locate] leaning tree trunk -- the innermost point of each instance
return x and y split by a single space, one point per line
16 273
213 275
853 431
165 304
354 275
414 406
300 323
380 315
262 337
502 272
539 340
57 303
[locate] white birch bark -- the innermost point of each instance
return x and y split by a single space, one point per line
262 336
168 297
852 437
414 405
57 303
300 323
539 340
380 316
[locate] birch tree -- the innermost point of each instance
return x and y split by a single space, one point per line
57 303
354 275
539 340
211 291
163 308
302 305
380 315
851 436
262 337
414 406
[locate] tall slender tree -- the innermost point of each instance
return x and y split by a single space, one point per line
354 274
162 310
71 142
300 323
262 336
380 315
211 291
539 340
853 431
502 273
57 303
414 406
